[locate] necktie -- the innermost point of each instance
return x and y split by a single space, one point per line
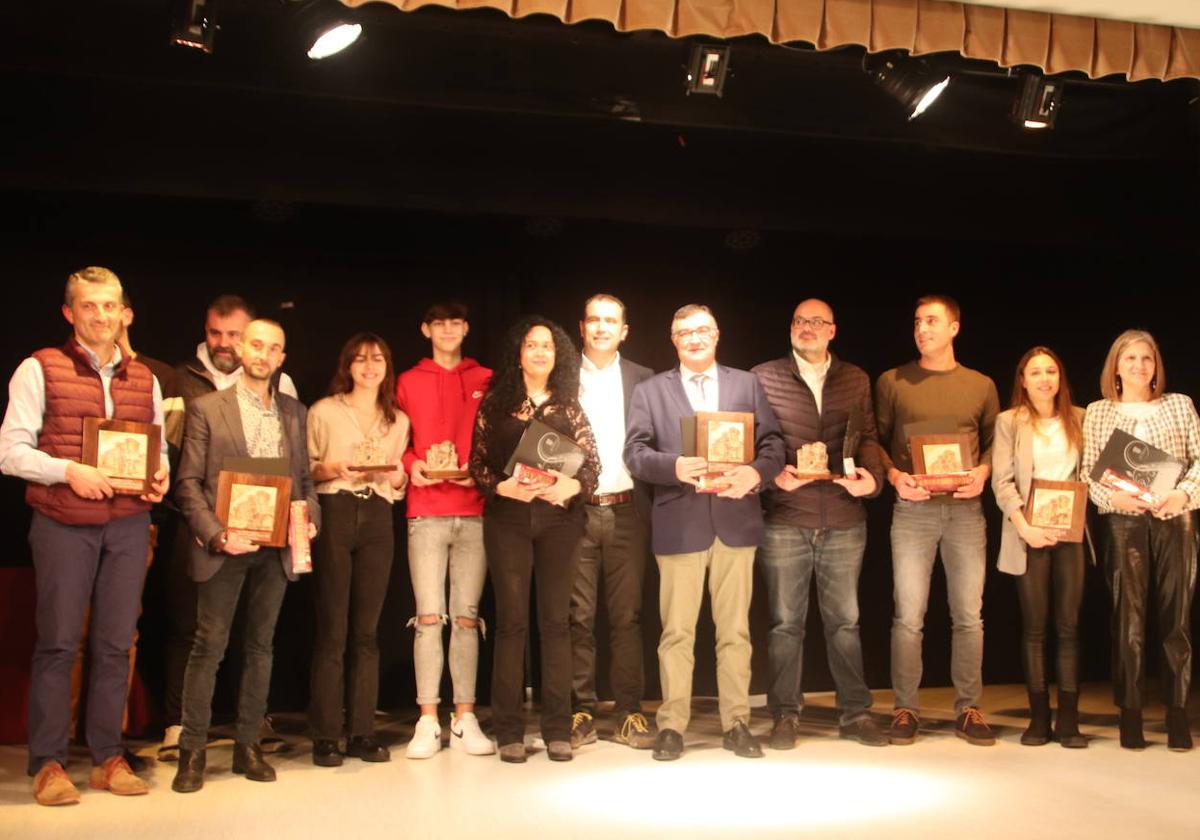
699 379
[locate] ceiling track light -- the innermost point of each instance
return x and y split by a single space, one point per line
1039 99
910 81
325 27
707 69
195 25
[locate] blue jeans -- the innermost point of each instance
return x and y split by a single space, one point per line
789 557
919 530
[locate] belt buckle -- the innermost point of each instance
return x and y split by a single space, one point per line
365 493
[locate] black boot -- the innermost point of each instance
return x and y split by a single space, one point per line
1131 729
1038 732
1066 726
1179 733
189 776
248 760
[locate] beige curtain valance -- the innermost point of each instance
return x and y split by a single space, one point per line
1054 42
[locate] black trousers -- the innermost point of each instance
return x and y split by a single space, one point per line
615 544
523 540
352 561
1151 568
1053 575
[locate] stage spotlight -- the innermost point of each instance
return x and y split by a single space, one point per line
910 81
707 69
195 24
326 27
1038 101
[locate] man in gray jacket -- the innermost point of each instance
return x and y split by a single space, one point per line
250 420
816 527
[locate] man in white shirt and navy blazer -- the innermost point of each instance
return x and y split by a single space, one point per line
697 532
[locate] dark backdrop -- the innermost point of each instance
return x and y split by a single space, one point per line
326 273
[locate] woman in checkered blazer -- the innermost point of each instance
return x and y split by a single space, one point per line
1149 548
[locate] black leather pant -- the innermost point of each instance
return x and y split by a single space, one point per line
1151 566
1058 568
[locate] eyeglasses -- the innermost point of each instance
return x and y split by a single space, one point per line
815 323
702 333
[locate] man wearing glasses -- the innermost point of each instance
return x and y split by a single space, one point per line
697 532
818 528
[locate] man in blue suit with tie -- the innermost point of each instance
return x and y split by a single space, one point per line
694 533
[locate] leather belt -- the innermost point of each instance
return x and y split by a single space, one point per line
610 499
364 493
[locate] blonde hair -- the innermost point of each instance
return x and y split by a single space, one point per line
1110 381
92 274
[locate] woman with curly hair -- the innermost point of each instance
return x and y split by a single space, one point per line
1041 436
532 531
1148 546
358 425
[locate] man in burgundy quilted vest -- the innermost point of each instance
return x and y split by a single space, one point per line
89 543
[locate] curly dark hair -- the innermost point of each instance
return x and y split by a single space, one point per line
343 383
507 390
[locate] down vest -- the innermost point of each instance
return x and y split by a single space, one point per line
821 504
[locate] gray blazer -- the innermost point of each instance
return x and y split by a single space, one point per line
1012 473
212 433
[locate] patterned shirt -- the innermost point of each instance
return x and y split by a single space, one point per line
1174 428
260 424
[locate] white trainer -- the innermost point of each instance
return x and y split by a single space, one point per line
465 734
168 750
426 740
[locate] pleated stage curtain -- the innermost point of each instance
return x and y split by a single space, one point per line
1054 42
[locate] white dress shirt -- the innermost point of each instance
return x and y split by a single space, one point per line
702 399
19 455
814 375
602 395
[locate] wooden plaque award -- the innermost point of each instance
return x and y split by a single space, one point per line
125 452
254 506
1058 506
941 463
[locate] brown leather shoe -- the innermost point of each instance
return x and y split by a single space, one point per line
115 775
52 786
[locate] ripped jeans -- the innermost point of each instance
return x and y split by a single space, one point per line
438 545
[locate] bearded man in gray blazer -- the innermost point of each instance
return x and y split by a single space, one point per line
249 420
694 533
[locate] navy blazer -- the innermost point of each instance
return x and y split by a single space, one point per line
633 374
683 520
212 433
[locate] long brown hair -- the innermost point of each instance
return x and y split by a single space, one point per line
343 382
1063 406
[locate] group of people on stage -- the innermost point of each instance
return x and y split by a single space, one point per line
443 434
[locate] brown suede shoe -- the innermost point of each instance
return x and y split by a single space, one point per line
52 786
114 774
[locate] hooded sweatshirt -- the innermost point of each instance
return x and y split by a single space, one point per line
441 405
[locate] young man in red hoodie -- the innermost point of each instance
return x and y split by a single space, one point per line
440 395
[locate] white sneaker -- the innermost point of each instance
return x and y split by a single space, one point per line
426 740
168 750
465 734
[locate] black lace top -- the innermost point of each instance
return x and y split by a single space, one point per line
493 444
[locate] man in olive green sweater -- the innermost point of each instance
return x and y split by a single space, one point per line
937 392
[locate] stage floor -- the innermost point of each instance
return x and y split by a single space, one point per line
941 787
